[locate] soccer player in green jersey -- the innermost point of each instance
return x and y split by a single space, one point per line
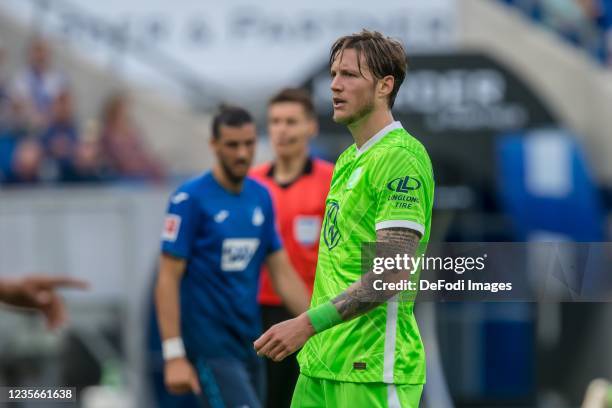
362 347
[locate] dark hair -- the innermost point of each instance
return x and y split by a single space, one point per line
232 116
297 95
383 56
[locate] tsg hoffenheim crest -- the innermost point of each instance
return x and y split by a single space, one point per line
258 217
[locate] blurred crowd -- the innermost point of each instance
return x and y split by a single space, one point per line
585 23
41 140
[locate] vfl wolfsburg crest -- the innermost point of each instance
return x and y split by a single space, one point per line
331 234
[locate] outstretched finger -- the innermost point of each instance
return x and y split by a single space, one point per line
66 282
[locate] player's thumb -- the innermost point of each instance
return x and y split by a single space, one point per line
195 384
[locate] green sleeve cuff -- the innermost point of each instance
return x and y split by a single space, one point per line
324 316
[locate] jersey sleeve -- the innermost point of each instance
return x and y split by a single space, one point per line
180 225
271 231
403 185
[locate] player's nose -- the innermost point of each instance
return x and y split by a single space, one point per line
242 152
336 84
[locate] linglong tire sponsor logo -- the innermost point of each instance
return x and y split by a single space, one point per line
331 233
404 184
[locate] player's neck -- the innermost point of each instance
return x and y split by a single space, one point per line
225 181
287 169
366 127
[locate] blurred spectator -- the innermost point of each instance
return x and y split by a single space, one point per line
608 41
595 12
26 163
573 20
16 124
122 143
38 84
87 163
586 23
605 22
15 129
61 136
3 86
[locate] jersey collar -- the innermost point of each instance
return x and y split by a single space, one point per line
381 133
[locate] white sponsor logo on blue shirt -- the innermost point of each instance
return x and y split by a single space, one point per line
237 253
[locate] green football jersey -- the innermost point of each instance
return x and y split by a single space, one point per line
386 183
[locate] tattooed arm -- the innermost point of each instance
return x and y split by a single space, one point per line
361 297
286 337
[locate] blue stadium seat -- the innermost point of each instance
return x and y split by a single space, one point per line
547 190
546 187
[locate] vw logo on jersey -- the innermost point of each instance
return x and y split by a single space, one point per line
258 217
331 233
403 184
236 253
221 216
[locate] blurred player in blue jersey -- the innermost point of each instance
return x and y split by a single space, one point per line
218 232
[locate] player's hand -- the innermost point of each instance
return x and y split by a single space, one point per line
180 377
284 338
39 293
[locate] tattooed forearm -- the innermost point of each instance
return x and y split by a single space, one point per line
361 297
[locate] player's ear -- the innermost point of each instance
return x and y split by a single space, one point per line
213 143
385 86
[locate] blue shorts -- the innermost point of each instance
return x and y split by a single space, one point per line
231 383
226 383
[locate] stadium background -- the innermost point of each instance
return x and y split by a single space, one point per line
512 99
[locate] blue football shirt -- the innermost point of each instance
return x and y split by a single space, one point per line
224 237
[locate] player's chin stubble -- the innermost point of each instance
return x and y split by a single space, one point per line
355 117
231 174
